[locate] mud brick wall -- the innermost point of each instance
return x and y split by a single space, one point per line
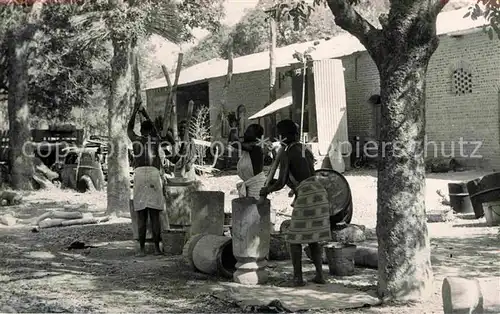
470 112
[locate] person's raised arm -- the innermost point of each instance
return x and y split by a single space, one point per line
131 123
283 175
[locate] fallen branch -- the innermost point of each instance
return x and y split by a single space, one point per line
57 215
43 182
206 169
83 221
75 206
8 220
50 223
66 215
42 169
103 219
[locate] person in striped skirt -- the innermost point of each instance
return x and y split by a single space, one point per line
311 212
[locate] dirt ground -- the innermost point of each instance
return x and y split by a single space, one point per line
39 274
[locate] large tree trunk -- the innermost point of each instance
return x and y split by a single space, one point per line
118 110
401 50
20 151
405 271
18 51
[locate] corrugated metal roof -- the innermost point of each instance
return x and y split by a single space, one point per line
338 46
197 72
254 62
346 44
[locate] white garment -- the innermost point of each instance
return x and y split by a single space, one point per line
251 187
251 184
148 189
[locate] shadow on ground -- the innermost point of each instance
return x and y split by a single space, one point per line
473 256
38 273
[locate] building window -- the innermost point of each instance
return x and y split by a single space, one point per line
461 82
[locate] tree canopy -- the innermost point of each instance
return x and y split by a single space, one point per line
298 22
71 53
490 10
62 73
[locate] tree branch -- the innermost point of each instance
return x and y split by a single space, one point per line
347 18
439 5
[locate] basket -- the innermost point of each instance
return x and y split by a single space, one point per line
173 241
340 258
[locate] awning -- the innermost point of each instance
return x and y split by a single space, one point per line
283 102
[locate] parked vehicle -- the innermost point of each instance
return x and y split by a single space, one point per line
81 171
99 146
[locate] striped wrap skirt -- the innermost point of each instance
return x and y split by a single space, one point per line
311 214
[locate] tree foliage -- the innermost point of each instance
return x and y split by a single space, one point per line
62 73
295 24
490 10
298 22
72 52
208 48
65 74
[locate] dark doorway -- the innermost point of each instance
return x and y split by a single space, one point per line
197 93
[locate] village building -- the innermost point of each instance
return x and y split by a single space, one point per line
342 85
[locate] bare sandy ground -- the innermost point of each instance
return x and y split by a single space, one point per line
38 273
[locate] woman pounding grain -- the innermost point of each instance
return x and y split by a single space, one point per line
311 214
251 163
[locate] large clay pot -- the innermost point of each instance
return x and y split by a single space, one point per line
210 254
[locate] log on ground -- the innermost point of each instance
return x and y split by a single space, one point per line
43 170
475 295
49 223
42 182
67 215
83 221
8 220
76 206
57 215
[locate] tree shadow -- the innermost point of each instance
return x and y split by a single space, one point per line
473 256
110 278
109 275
